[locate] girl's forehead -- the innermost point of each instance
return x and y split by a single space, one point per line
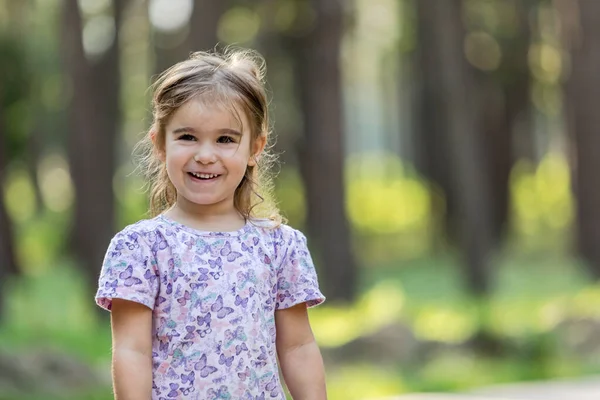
200 111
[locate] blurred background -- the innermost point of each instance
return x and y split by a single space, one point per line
439 155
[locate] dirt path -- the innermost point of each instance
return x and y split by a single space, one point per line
580 389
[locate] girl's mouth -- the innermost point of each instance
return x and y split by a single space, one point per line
202 176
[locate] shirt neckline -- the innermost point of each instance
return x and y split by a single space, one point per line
194 231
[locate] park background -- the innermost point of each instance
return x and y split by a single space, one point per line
440 155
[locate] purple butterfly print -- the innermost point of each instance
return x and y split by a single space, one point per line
245 374
127 275
204 332
159 244
169 288
204 320
175 272
231 255
189 242
160 300
173 333
263 353
201 285
190 332
255 240
111 285
188 390
239 348
222 393
171 374
150 276
205 370
247 249
265 258
216 274
236 321
227 361
245 277
239 301
183 300
216 263
203 274
261 360
237 334
218 308
163 347
188 378
272 387
173 392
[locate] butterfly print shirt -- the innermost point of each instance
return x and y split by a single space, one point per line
213 297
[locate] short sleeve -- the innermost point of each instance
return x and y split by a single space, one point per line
297 279
129 271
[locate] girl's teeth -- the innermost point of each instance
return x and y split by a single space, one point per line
204 176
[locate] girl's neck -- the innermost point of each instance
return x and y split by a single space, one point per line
207 218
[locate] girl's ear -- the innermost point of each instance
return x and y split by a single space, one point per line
259 145
157 146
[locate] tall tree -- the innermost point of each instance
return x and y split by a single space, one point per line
465 149
582 93
8 261
316 55
94 122
505 118
14 81
430 139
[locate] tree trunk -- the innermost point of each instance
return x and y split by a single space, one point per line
321 150
465 144
583 91
8 261
506 117
432 158
94 121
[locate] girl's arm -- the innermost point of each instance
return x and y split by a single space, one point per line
299 355
132 350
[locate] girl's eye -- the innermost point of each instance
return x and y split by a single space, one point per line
225 139
187 137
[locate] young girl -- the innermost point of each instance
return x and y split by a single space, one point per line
209 297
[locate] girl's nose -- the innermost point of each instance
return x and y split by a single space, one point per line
205 155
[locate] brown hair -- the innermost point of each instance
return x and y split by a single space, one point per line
234 78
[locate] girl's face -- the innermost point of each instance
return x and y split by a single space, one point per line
206 154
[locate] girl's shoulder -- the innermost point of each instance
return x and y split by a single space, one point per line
274 229
279 235
145 229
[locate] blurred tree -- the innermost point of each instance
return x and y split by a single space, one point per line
199 34
505 94
503 91
14 81
581 21
431 143
455 119
315 49
94 123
